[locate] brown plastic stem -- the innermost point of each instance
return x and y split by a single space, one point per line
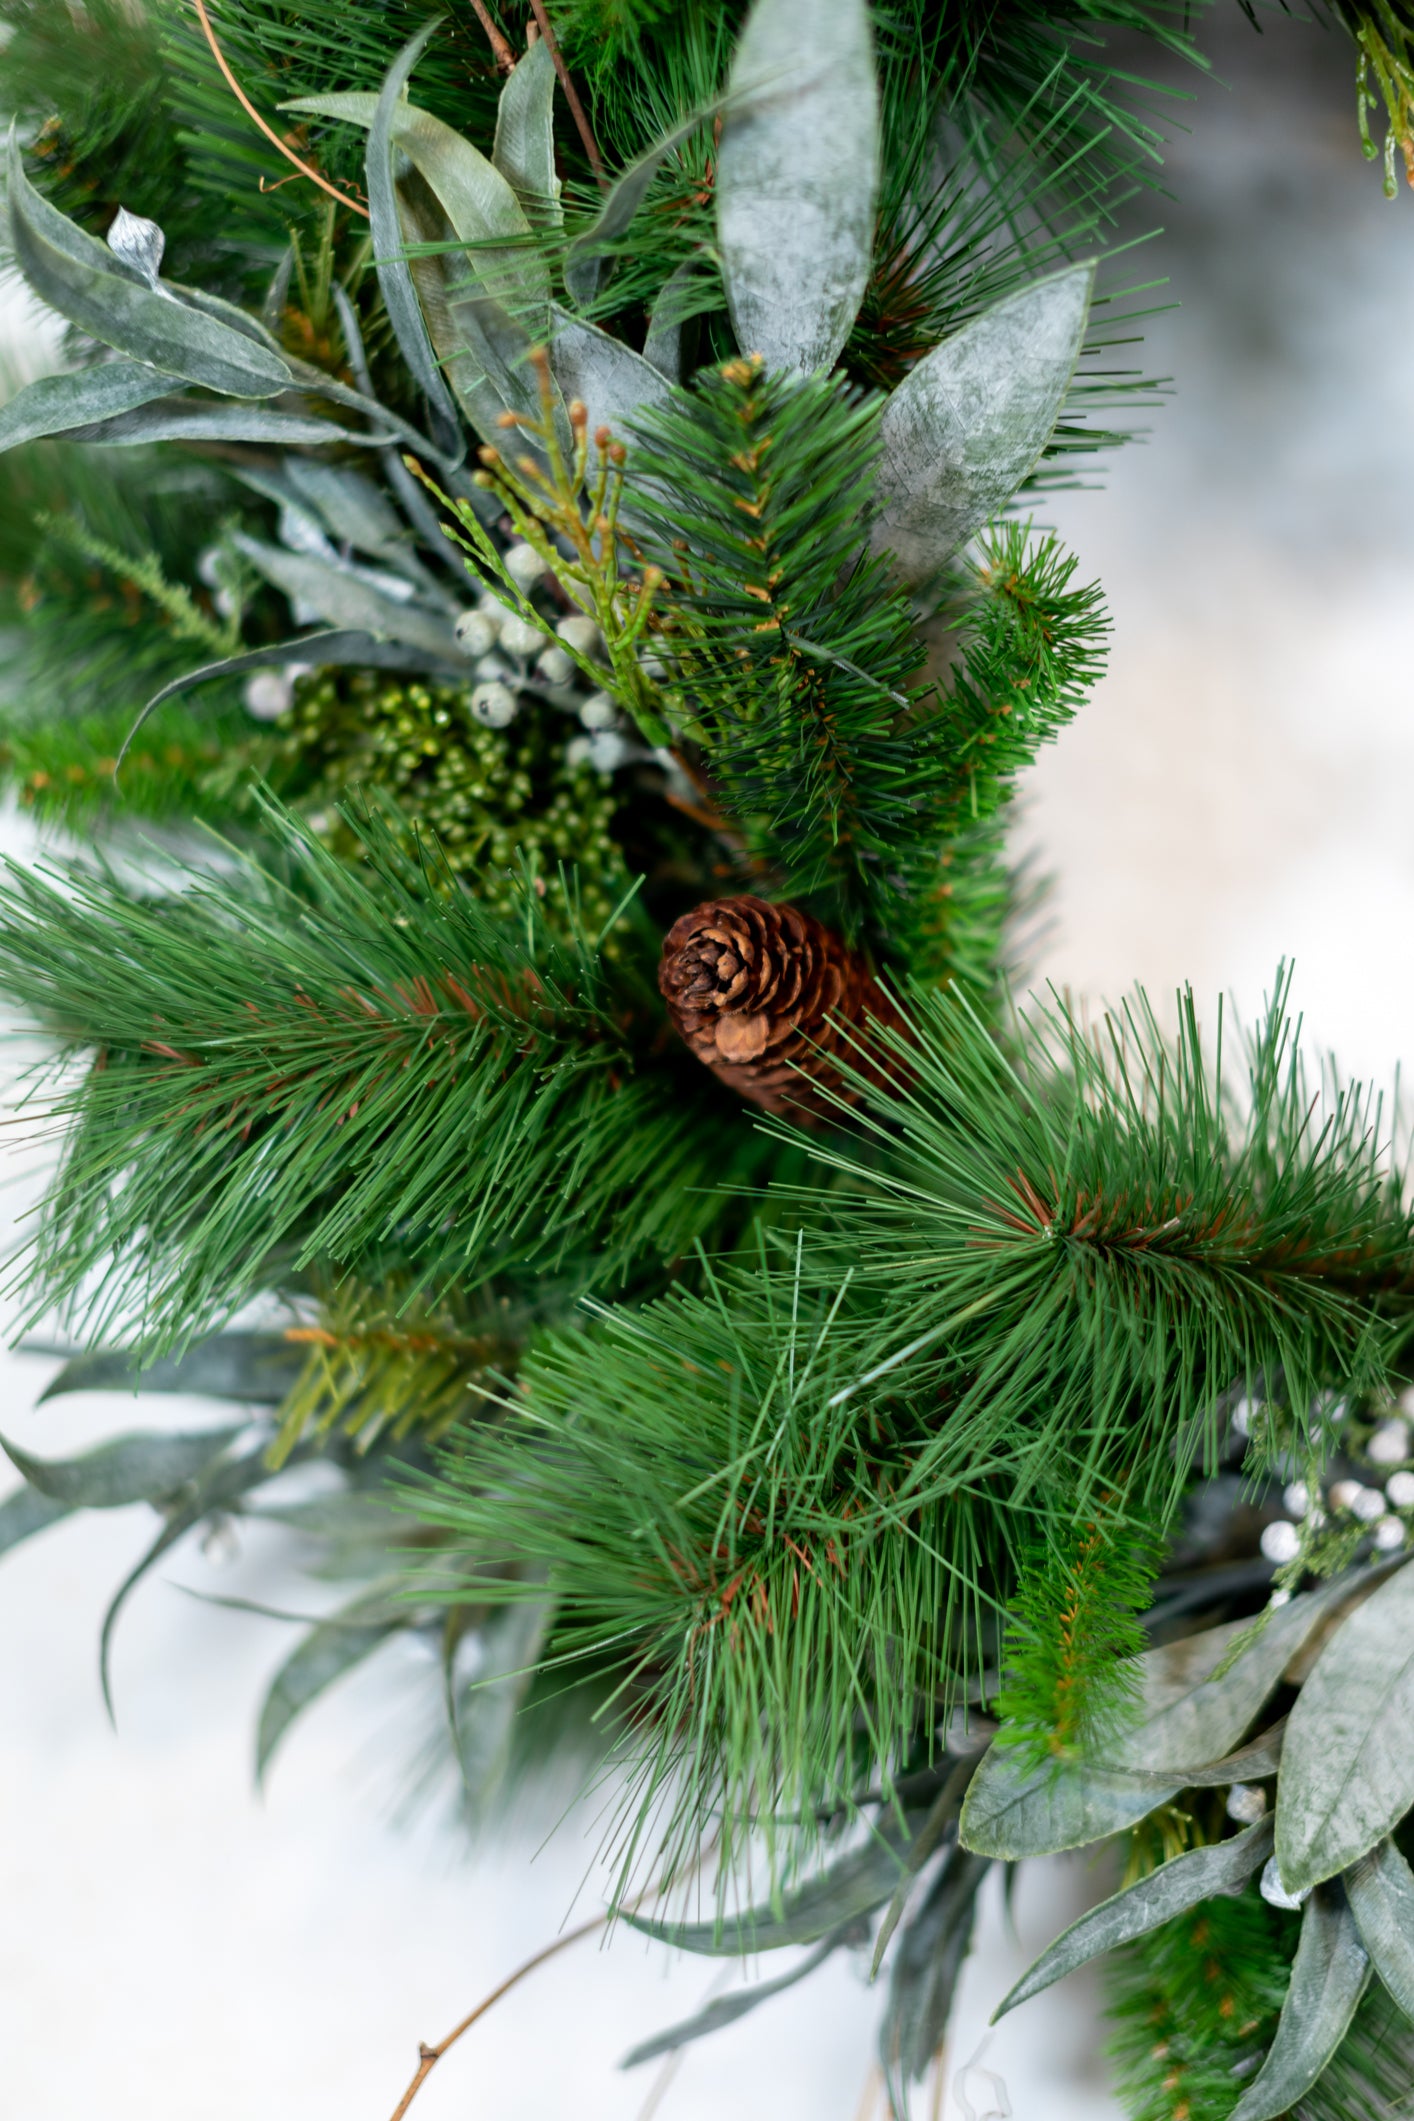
251 112
429 2057
571 93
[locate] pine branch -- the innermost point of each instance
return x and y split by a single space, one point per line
309 1068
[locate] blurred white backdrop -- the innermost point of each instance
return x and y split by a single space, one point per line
173 1947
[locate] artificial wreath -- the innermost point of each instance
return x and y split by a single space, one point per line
568 537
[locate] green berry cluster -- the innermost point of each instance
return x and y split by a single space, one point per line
497 800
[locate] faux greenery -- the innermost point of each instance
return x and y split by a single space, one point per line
614 432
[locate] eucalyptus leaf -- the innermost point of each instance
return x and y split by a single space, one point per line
609 378
725 2010
479 203
1380 1888
357 511
26 1512
55 404
1327 1981
115 307
189 420
852 1886
214 1490
588 258
332 1648
945 1808
139 1468
965 426
254 1369
1176 1886
1193 1711
394 273
1017 1808
483 1712
924 1977
797 178
662 344
524 147
348 602
329 645
1347 1770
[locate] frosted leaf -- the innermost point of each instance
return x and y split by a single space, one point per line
138 242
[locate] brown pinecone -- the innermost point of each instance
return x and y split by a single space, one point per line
761 993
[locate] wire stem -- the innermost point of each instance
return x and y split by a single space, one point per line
251 112
500 50
571 93
429 2057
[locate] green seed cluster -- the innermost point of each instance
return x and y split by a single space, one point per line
495 799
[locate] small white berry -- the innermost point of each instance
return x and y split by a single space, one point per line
494 704
1296 1499
520 637
1367 1504
225 601
268 694
608 751
524 565
577 751
1400 1490
1389 1446
1278 1599
1275 1893
1246 1803
1281 1541
476 634
1389 1534
580 633
556 667
1406 1402
598 711
967 1732
1343 1494
492 667
1243 1414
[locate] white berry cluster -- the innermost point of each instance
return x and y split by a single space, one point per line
1383 1504
511 654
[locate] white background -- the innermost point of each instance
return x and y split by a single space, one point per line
175 1949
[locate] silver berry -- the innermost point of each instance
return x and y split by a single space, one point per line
494 704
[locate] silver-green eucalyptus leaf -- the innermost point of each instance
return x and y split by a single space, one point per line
349 602
1223 1867
524 147
56 404
1327 1981
86 283
609 378
254 1369
797 178
140 1468
480 205
964 427
483 1712
1380 1888
1347 1771
924 1976
1016 1807
333 1648
356 511
852 1886
725 2010
662 344
1197 1698
26 1512
190 420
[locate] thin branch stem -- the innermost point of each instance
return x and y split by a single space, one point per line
251 112
429 2057
571 93
501 51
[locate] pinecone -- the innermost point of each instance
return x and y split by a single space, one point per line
761 993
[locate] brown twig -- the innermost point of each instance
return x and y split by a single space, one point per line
571 93
251 112
500 51
429 2057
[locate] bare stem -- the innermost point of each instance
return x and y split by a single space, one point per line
251 112
571 93
429 2057
501 51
